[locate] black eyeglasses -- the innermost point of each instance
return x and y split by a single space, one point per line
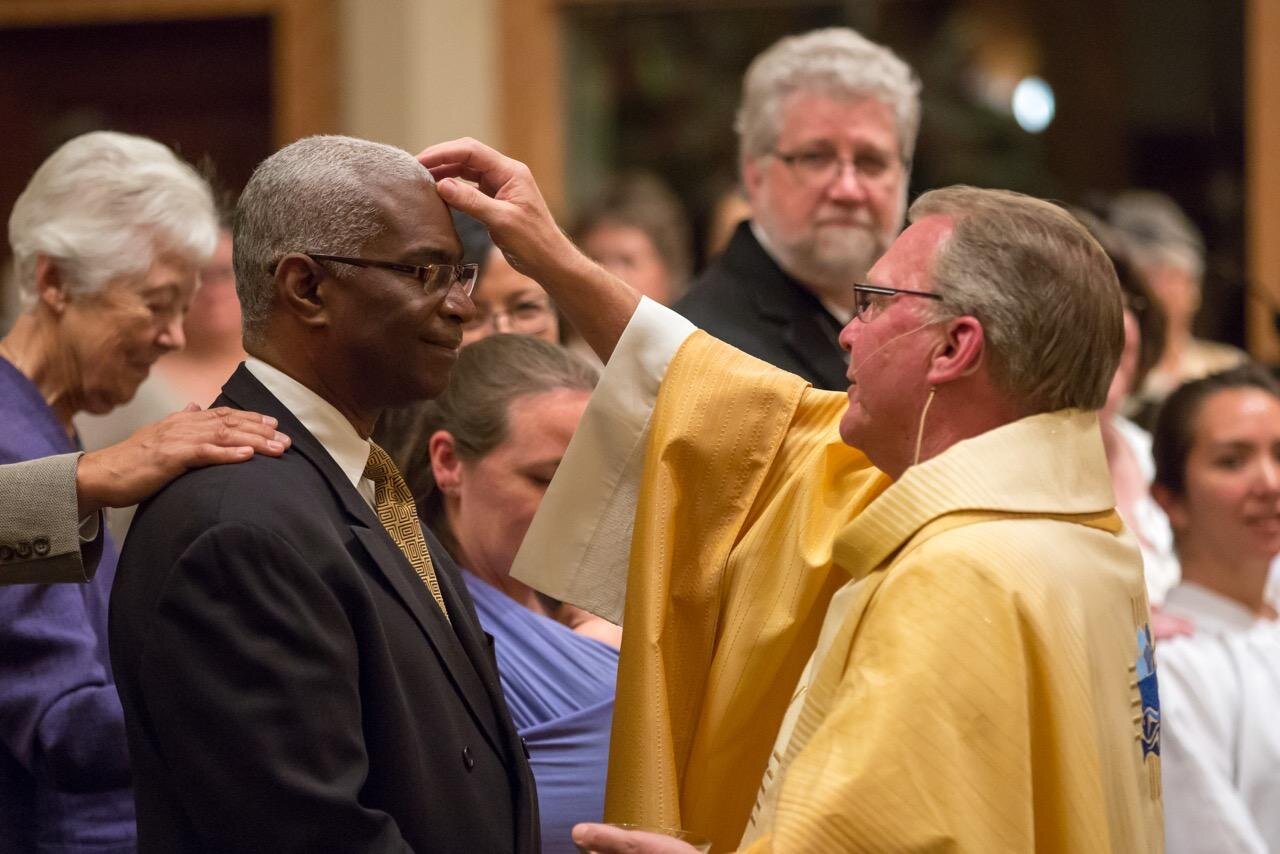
864 297
434 277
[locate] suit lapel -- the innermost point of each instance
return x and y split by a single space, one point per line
470 635
814 340
244 391
478 649
395 567
807 329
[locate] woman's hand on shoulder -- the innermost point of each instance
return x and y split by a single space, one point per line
129 471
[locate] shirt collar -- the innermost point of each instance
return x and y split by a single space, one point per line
322 420
839 312
763 239
1047 464
1211 612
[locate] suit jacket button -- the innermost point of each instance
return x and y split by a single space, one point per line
23 549
6 553
525 745
41 546
467 760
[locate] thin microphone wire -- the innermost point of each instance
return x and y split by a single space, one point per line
932 389
862 363
920 432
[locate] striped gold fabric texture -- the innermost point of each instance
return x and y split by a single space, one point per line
399 515
731 573
972 689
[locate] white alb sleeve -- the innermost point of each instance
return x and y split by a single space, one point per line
578 545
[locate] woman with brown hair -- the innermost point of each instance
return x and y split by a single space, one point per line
479 459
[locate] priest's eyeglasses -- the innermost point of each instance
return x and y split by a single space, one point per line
868 297
434 277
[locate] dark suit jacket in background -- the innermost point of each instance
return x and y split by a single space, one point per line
289 683
744 298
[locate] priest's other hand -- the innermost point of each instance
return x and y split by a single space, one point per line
607 839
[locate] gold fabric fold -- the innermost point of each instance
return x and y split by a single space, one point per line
981 676
729 578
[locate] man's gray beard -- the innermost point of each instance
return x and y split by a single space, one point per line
830 265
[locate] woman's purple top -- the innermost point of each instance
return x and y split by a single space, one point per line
64 765
559 686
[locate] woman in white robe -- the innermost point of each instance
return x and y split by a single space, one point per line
1217 450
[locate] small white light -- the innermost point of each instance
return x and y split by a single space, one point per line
1033 104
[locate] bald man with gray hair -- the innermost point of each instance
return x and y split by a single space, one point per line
826 129
300 664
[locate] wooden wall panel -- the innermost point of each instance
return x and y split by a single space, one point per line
304 45
531 104
1262 175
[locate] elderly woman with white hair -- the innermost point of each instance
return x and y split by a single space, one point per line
108 238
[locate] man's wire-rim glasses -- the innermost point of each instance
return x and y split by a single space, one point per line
864 297
819 167
434 277
528 315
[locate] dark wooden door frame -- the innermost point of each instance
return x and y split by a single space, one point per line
305 91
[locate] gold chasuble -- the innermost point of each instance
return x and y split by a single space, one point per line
982 680
733 535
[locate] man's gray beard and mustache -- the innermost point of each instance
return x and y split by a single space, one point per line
831 258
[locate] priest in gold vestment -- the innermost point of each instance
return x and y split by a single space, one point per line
903 619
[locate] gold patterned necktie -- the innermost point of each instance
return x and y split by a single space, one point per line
394 505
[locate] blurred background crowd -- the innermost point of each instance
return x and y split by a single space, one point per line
1170 97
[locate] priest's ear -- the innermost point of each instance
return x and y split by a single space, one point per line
960 352
446 466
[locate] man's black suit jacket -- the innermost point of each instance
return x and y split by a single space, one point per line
745 299
289 684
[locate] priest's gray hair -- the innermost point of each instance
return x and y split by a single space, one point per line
836 61
106 205
1042 287
319 194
